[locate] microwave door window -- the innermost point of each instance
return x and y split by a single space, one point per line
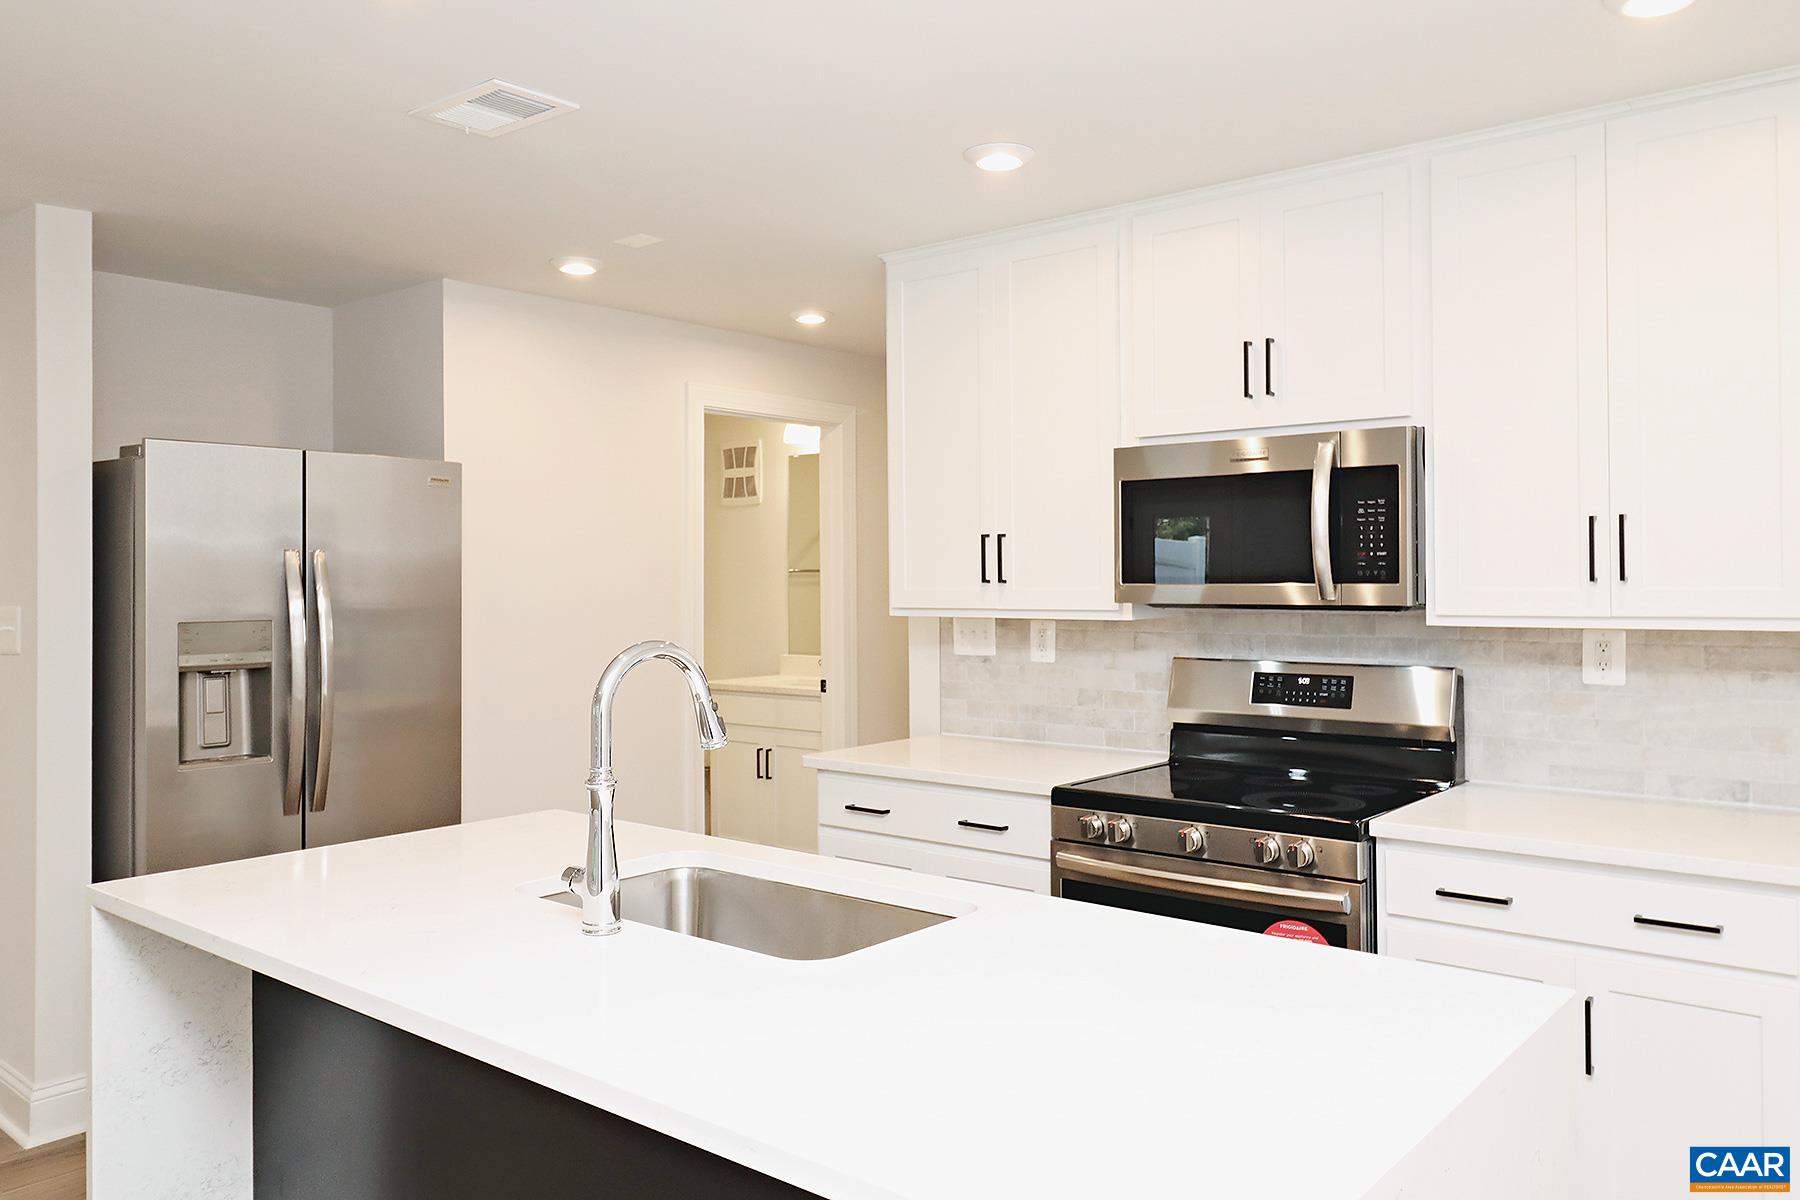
1225 529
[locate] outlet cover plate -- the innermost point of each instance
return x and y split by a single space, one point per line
972 635
12 627
1603 656
1043 641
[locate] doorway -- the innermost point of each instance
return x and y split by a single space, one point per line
773 494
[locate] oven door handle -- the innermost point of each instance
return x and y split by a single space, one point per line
1223 889
1324 461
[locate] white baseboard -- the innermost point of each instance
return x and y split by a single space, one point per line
32 1116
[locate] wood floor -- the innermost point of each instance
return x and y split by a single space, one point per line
54 1172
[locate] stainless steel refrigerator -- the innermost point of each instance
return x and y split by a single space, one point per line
277 651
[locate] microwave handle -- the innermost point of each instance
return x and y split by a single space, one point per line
1324 461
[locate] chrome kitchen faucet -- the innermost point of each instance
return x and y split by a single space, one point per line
598 883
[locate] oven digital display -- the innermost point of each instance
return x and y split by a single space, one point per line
1311 691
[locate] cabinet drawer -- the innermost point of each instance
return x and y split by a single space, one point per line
772 712
1000 822
1648 914
952 862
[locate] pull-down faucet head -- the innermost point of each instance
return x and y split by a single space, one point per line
598 882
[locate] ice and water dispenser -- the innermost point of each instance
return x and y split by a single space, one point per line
226 689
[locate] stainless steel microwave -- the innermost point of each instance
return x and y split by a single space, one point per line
1310 520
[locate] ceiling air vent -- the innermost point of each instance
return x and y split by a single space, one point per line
494 108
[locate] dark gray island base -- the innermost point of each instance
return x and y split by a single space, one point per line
347 1108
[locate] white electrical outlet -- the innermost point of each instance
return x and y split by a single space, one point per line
1603 656
972 635
1043 641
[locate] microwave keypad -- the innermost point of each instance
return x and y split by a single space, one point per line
1368 537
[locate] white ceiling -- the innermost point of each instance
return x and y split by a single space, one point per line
777 146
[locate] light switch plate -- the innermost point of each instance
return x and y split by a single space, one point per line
972 635
1603 656
1043 641
12 635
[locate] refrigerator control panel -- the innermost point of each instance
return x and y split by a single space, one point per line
226 690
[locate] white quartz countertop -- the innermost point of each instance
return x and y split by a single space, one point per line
769 685
1726 841
996 763
990 1055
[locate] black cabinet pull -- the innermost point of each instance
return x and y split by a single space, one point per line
769 763
1621 547
1587 1035
1268 366
1247 392
980 825
1684 926
873 812
984 542
1593 564
1473 898
1000 557
759 754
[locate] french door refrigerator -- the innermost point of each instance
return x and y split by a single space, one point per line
277 651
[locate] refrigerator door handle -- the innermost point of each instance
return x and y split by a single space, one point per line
296 722
327 695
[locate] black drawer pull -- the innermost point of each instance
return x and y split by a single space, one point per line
1685 926
1587 1035
873 812
979 825
1471 897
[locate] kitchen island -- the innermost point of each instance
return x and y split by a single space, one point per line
1026 1046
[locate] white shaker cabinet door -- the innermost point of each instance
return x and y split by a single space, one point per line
938 312
1704 280
1683 1057
1518 321
1057 420
1336 299
743 804
1194 366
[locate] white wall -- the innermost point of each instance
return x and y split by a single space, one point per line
46 567
389 373
746 555
570 422
173 361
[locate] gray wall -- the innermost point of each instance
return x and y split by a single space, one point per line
389 373
1702 715
173 361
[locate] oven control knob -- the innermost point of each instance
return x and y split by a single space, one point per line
1093 827
1118 830
1192 839
1267 849
1301 855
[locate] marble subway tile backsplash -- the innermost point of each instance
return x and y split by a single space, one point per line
1702 715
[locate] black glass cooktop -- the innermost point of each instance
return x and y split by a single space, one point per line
1290 800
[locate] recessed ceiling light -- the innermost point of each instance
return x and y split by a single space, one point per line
574 264
637 241
811 316
999 156
1645 8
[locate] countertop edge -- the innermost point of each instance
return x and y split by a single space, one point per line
702 1135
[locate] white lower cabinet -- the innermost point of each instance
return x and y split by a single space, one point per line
1680 1050
977 834
758 788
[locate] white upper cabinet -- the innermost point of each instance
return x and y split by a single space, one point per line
1518 352
937 314
1289 306
1003 414
1336 306
1704 279
1194 319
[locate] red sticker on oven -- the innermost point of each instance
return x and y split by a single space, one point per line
1296 931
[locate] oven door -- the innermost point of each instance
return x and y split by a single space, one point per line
1308 520
1293 906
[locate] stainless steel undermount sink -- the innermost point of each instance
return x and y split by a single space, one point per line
764 915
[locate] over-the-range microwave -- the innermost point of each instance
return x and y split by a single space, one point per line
1309 520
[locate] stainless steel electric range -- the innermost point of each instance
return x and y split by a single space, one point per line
1260 818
